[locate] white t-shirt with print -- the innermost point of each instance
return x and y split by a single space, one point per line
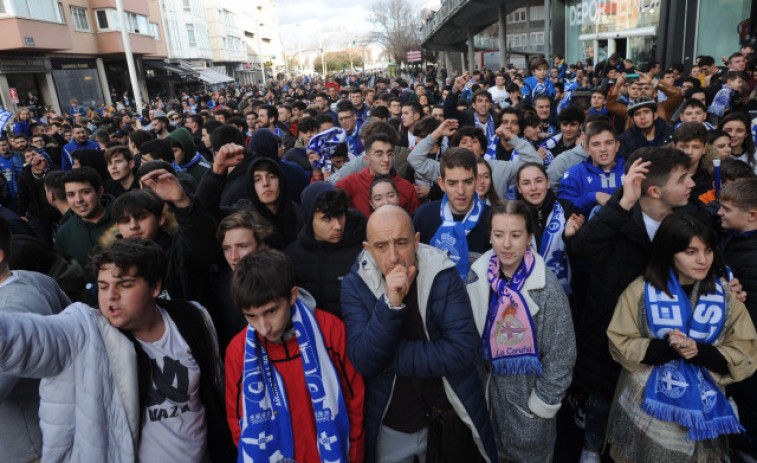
499 97
174 429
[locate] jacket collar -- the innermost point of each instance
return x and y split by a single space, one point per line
431 261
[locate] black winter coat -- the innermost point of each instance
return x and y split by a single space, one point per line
741 255
632 139
617 244
319 267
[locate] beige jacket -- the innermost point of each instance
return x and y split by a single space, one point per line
737 342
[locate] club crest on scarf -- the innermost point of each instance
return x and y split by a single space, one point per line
325 144
266 427
509 339
679 391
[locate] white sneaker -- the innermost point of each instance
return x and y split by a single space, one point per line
587 456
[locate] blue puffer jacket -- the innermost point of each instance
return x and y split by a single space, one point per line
378 353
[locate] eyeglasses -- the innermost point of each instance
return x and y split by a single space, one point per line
175 118
346 118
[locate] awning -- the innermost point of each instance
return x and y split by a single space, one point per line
176 69
211 76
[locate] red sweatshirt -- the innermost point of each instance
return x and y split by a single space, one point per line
286 358
357 186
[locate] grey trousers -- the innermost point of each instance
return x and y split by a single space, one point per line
400 447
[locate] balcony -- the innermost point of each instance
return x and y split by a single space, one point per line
111 43
492 43
34 35
134 6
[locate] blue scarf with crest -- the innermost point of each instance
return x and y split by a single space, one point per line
451 236
266 426
679 391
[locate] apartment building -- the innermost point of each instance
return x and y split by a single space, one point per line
58 50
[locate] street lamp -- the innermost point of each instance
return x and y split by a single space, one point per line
260 48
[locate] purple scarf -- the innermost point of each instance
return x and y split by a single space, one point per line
509 340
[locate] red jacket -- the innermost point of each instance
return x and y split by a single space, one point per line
357 187
286 358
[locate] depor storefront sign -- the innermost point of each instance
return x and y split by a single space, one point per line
593 11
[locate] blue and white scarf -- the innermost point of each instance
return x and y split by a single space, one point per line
325 144
354 144
722 102
451 236
623 100
567 95
552 247
549 144
491 149
512 190
491 137
266 426
194 161
679 391
707 126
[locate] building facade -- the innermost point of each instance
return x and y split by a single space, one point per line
72 49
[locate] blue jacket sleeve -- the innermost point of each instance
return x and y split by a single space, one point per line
452 344
373 328
571 189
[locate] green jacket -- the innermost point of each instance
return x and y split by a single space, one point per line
76 236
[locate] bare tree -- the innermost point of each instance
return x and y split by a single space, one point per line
396 27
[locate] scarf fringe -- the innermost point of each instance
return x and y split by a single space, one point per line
715 428
516 366
693 419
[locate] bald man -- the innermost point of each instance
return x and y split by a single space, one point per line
411 331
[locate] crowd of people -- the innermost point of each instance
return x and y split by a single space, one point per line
439 267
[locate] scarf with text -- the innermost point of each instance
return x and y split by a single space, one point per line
451 236
679 391
266 426
509 338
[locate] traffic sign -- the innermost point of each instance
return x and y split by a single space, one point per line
413 56
14 95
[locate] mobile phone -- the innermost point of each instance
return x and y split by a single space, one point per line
632 77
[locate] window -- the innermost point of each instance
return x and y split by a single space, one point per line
102 19
537 38
191 35
155 31
60 11
36 9
187 6
79 18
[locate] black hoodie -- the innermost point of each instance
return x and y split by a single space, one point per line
319 266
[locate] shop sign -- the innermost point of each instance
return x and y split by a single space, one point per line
589 12
72 64
25 64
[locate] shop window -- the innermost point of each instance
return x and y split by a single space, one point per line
79 18
191 35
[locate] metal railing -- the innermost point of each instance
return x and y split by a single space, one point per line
440 17
492 43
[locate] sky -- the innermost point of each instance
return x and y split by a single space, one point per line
303 22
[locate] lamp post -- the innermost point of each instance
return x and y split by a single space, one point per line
129 57
260 48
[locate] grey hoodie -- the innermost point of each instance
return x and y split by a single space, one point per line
503 172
